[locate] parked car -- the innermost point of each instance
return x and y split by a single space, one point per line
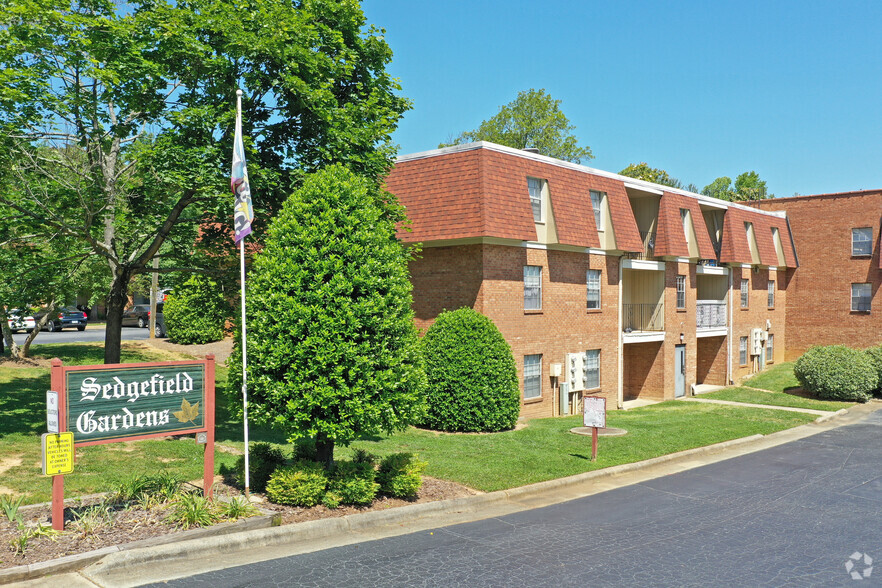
17 322
64 318
138 315
159 329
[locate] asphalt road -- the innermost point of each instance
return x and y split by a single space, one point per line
93 334
793 515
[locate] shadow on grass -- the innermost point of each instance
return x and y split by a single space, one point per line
23 402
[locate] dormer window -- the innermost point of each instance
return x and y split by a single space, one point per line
597 205
536 199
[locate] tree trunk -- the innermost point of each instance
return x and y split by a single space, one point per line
117 300
10 342
50 310
324 449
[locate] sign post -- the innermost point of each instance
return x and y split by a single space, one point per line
127 402
594 416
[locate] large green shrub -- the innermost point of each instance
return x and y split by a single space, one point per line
353 483
195 312
263 460
875 354
400 475
473 384
837 372
303 484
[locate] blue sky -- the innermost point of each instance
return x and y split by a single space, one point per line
790 89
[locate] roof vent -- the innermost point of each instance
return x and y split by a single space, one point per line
531 150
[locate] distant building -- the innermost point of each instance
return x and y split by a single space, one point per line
602 284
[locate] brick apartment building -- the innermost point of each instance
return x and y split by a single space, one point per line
830 298
602 284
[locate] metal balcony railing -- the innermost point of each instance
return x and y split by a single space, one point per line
648 252
710 314
643 317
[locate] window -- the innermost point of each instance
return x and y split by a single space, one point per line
742 351
535 187
770 348
532 376
684 218
592 369
593 281
862 241
596 202
681 292
771 293
861 296
744 298
532 287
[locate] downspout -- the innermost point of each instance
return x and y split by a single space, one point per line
729 322
620 395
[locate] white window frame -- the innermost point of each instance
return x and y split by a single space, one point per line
536 189
532 287
770 348
532 376
681 292
597 206
771 293
859 292
742 351
862 241
745 293
592 281
592 368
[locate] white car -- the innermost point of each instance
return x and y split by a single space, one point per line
18 323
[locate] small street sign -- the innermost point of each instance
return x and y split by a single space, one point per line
51 411
58 453
594 414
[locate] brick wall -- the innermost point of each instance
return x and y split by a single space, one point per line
756 314
445 278
711 361
644 374
819 295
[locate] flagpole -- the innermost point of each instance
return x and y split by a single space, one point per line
244 339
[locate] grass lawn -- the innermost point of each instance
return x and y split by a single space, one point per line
543 450
777 378
775 399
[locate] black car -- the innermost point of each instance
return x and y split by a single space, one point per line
139 315
159 329
64 318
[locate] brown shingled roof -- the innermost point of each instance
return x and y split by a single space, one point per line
670 238
624 224
735 248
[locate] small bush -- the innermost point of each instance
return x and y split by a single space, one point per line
837 372
400 475
303 484
193 510
473 384
263 459
353 482
875 355
195 312
237 508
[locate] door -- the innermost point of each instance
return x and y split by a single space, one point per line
680 369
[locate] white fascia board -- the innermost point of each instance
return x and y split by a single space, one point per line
712 270
773 268
643 264
643 188
643 337
593 251
719 332
533 245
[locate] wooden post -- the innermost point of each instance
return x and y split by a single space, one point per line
593 443
57 384
208 472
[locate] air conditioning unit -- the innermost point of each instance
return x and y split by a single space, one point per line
575 371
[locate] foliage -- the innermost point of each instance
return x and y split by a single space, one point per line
263 459
837 372
748 186
195 312
642 171
533 119
875 355
332 350
191 509
752 396
163 486
237 508
302 484
116 121
10 506
400 475
25 533
473 383
720 188
353 482
94 517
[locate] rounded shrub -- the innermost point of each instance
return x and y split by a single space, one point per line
473 384
353 483
195 312
263 459
837 372
303 484
875 354
400 475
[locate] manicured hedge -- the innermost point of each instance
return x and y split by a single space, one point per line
195 312
473 383
837 372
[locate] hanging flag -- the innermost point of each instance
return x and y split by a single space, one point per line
242 212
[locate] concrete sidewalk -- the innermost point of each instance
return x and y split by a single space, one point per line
182 559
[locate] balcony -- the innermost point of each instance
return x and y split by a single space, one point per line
648 252
710 318
643 317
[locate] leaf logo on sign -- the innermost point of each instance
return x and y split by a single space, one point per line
188 412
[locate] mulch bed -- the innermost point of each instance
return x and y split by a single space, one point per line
134 524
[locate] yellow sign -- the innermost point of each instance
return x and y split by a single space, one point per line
58 453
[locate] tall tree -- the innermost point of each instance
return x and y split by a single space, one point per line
720 188
126 112
749 186
533 119
333 351
642 171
